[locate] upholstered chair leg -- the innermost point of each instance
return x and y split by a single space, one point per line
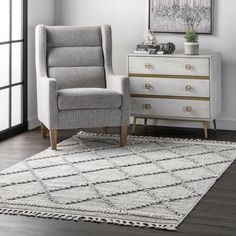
53 138
44 130
123 135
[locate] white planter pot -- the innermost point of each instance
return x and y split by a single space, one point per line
191 48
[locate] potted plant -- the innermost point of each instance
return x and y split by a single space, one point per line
191 46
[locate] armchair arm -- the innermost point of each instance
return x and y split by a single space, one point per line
115 82
46 87
47 102
120 84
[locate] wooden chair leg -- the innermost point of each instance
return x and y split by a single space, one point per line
123 135
53 138
44 130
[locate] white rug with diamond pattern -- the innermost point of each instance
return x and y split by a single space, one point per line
153 182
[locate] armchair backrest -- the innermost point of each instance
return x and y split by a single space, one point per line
74 56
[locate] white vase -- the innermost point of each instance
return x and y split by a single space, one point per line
191 48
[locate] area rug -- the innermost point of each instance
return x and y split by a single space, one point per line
152 182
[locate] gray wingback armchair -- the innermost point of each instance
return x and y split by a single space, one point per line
76 86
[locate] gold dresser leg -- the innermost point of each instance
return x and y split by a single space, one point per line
134 124
205 124
44 130
123 135
145 121
214 122
53 138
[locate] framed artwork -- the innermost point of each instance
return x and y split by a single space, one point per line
175 16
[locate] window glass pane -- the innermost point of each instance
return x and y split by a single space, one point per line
16 63
16 108
4 20
17 19
4 65
4 109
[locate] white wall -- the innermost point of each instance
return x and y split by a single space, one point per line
129 21
39 12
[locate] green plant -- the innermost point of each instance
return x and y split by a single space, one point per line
191 36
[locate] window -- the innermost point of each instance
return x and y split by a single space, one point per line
13 67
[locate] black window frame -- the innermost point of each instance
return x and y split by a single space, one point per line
14 130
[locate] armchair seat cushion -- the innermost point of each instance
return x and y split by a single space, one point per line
88 98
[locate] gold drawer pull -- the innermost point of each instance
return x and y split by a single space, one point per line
147 106
147 86
188 67
188 109
148 66
189 88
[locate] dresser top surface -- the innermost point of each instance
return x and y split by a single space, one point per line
177 55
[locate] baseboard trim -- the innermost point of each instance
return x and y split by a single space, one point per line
226 124
33 123
222 124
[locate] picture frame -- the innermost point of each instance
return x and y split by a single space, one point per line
175 16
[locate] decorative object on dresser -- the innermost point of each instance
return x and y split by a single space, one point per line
174 16
152 182
149 38
191 46
151 45
165 48
177 87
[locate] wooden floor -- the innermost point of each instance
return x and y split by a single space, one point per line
215 215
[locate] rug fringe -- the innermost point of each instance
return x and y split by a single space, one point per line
76 218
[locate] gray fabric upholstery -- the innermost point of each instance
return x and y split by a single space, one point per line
121 84
88 98
77 48
115 82
80 59
78 77
91 118
46 86
70 36
75 56
107 48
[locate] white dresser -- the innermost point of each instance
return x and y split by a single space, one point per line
177 87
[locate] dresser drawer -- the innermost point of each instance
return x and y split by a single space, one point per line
169 66
170 87
170 108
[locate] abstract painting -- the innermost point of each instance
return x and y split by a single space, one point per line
175 16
